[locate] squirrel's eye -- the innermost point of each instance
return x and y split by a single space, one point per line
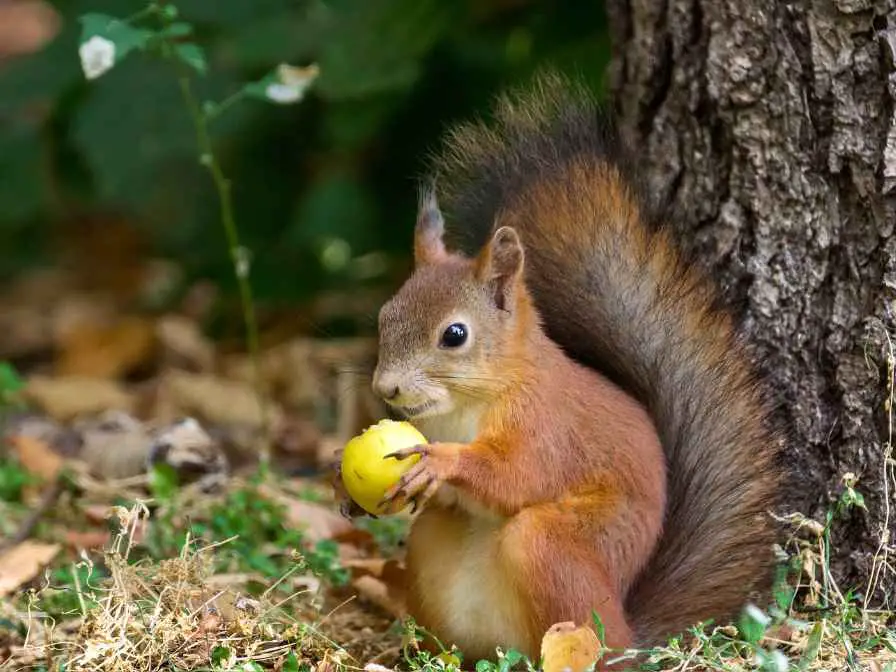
454 336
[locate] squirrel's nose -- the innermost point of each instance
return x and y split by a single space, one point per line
386 387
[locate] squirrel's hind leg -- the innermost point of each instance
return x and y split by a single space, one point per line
556 560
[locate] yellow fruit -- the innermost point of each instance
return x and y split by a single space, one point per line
366 475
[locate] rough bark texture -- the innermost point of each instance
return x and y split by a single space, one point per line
771 127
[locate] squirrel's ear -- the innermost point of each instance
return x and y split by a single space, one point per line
501 263
428 245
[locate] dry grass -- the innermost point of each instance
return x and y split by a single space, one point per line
177 614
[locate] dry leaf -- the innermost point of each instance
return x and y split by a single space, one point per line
213 399
106 350
25 331
97 513
390 599
87 540
23 562
65 399
183 344
194 455
567 648
36 456
63 440
114 445
316 522
380 581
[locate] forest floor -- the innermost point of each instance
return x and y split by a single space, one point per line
200 559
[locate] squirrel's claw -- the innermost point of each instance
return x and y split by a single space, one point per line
420 482
404 453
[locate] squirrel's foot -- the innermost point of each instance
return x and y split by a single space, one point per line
437 464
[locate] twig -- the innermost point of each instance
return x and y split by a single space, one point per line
237 251
48 498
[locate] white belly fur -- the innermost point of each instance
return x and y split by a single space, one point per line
480 606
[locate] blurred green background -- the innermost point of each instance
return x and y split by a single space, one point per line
324 190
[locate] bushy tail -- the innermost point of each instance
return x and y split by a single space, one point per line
617 295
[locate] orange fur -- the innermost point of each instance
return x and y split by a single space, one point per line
548 490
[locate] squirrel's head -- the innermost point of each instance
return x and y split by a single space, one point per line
444 334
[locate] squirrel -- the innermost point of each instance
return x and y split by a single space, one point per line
599 441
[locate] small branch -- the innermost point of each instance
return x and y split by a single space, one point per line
47 500
237 252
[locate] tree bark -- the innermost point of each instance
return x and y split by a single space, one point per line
771 128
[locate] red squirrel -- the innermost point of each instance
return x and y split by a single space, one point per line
597 437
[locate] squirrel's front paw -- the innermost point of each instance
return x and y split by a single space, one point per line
437 464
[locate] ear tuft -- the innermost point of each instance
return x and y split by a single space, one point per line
501 263
428 245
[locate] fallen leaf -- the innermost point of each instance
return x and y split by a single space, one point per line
372 566
183 345
114 445
316 522
97 513
211 398
390 599
357 538
36 456
376 667
106 350
193 454
89 539
568 648
66 398
23 562
25 331
62 439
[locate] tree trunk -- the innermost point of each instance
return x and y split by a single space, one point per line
771 128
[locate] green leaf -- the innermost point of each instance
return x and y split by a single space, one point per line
220 656
485 666
179 29
131 124
449 658
23 183
13 479
813 646
10 382
125 37
163 481
599 627
509 659
372 47
40 77
752 624
291 664
192 55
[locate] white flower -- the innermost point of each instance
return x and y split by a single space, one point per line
291 84
283 93
97 56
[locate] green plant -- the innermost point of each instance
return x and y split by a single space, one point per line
387 531
10 386
106 41
13 479
71 590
